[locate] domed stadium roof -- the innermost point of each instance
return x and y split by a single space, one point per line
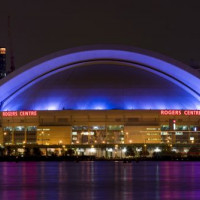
101 77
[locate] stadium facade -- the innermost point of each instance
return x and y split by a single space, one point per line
101 95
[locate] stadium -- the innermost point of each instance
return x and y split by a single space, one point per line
101 96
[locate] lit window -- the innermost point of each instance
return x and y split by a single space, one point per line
192 138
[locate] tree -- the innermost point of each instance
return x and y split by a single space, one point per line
36 151
27 152
8 151
166 148
130 151
2 151
70 152
144 152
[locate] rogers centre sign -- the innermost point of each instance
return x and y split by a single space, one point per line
180 112
18 113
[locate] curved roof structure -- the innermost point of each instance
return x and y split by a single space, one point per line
101 77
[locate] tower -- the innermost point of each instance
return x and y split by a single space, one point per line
2 62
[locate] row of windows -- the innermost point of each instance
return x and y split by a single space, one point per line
20 128
86 128
180 128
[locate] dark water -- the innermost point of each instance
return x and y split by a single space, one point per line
99 180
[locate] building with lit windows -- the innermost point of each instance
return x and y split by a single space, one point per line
2 62
101 95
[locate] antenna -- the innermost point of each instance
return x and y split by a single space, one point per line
12 65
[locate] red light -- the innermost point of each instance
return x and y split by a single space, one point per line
28 113
18 113
170 112
180 112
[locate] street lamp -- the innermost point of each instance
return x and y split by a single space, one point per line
126 137
60 142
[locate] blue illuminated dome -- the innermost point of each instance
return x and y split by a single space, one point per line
101 78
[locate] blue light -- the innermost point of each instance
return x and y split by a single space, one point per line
52 107
180 75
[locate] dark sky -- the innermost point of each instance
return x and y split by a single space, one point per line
40 27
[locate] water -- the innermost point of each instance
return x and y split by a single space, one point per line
99 180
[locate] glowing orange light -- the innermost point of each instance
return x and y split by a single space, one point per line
2 50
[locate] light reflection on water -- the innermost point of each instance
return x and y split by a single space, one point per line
99 180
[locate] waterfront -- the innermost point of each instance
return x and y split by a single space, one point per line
99 180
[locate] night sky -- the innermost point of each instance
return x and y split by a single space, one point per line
40 27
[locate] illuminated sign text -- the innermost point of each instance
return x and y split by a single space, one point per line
180 112
18 113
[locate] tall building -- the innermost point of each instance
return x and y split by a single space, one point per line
2 62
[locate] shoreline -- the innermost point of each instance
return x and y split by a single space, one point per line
91 158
